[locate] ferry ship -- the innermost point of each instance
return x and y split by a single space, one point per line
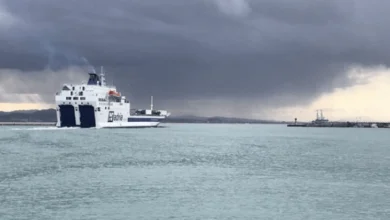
96 104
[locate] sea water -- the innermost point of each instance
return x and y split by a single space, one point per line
195 171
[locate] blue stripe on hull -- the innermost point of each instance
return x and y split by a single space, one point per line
144 119
135 127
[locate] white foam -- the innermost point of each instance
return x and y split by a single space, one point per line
44 128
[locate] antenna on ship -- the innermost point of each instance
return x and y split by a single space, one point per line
102 77
151 103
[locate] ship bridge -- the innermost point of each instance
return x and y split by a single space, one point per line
94 79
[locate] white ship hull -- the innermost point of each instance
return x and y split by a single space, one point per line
129 125
121 124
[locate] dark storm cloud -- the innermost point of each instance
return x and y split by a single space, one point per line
202 49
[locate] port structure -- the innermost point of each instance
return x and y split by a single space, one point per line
321 121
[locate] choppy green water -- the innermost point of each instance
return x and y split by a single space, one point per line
195 172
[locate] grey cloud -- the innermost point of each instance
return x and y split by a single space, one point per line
36 86
260 50
233 7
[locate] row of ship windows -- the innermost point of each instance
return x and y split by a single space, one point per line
98 108
80 93
75 98
74 103
82 88
66 88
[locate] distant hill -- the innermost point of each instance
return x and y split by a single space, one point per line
49 115
219 120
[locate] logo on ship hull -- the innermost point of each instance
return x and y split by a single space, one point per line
112 117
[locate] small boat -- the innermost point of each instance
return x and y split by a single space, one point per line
114 93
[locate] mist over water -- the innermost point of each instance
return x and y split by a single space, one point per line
194 172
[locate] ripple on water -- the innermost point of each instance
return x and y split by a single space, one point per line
194 172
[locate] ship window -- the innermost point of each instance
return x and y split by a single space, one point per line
99 109
65 88
68 98
82 98
75 98
73 88
80 93
71 93
83 88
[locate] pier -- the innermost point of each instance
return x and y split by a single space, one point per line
344 124
321 121
27 123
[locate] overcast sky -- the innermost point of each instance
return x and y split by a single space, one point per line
224 56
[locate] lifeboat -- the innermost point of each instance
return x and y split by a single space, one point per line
114 93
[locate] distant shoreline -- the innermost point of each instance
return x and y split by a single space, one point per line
49 116
53 124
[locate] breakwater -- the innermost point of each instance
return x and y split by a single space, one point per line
343 124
